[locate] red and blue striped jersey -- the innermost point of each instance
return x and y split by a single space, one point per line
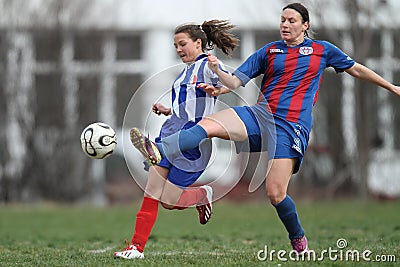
292 76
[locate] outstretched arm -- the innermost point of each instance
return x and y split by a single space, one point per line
364 73
230 81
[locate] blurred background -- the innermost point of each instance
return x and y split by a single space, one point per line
65 64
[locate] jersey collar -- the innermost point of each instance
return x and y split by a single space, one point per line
201 56
305 41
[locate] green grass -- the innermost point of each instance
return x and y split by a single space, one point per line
55 235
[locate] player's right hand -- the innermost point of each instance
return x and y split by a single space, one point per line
159 109
213 63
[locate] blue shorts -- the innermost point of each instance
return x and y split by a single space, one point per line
185 168
292 141
281 138
179 177
254 142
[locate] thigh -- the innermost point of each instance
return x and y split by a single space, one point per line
225 124
156 181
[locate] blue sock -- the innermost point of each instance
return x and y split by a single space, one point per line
183 140
287 213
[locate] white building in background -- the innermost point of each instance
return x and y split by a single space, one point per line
99 52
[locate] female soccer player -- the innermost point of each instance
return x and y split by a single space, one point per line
291 69
167 181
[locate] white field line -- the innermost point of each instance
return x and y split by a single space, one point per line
102 250
174 253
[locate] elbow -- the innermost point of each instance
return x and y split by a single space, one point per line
355 71
232 87
236 83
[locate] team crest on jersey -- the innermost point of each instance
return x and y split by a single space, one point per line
194 79
306 50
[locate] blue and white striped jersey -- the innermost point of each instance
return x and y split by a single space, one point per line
188 101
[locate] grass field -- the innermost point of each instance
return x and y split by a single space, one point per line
54 235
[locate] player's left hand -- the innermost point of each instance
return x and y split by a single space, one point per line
210 89
396 90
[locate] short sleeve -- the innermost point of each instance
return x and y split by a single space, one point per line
252 67
337 59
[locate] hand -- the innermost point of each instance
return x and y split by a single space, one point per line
213 63
396 90
210 89
159 109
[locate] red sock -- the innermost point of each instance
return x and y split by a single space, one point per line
145 219
190 197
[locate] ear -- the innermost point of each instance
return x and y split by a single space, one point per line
306 25
198 43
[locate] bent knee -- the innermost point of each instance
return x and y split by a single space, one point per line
208 124
167 206
276 195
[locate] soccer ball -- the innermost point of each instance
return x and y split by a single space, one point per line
98 140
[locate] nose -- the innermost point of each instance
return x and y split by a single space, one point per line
284 23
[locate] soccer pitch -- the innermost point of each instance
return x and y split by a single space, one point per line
245 234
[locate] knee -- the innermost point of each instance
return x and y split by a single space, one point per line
275 194
167 200
167 206
208 124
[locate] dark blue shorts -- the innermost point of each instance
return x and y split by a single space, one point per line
266 132
179 177
185 168
254 142
292 141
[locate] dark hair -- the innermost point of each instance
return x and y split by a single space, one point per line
212 33
303 12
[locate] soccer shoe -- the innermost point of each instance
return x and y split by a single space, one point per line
130 252
300 245
205 210
146 147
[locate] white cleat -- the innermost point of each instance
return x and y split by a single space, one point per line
205 210
129 252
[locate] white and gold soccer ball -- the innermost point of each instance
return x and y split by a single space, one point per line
98 140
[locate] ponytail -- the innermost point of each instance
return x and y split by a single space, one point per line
219 34
212 33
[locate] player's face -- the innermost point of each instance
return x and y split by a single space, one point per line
292 27
187 49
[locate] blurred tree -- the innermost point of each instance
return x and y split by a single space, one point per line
38 159
361 14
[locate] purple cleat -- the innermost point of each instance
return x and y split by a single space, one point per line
300 245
